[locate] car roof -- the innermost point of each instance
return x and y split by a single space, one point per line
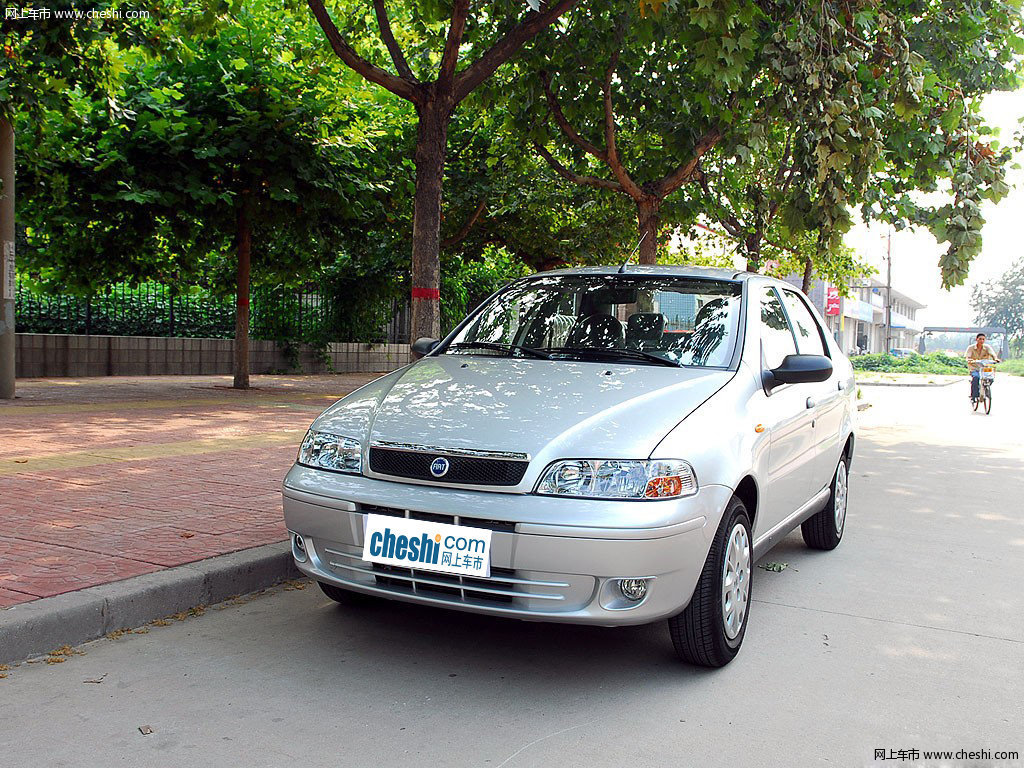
657 270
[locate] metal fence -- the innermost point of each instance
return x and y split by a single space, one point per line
152 309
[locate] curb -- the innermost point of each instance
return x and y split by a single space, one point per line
900 384
30 629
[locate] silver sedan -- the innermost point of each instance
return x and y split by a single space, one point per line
590 445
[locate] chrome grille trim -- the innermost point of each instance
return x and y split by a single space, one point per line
460 583
470 582
434 449
498 526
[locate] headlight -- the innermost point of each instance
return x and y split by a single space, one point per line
619 479
323 450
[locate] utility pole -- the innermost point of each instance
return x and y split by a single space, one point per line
6 259
888 294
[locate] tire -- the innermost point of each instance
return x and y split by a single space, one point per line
825 529
342 596
974 403
700 633
988 399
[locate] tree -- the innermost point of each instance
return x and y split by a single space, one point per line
862 115
1001 302
503 196
494 39
638 99
43 54
743 193
786 182
959 52
223 144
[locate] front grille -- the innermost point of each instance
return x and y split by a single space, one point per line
466 470
474 522
431 584
501 589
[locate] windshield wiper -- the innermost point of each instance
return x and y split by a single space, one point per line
510 348
617 352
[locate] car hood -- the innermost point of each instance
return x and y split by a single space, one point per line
543 408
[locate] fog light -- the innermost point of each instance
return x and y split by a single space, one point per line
633 589
299 548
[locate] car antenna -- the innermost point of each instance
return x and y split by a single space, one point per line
623 267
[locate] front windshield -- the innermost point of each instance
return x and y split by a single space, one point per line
611 318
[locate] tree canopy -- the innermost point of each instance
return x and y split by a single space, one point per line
153 151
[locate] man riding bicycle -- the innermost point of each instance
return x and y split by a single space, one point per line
976 353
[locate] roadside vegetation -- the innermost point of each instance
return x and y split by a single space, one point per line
1015 366
935 363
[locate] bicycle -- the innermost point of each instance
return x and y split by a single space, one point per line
986 376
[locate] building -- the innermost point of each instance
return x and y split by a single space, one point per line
858 321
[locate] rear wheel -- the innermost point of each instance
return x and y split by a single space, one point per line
825 529
711 629
342 596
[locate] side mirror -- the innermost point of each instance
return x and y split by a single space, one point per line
799 369
424 346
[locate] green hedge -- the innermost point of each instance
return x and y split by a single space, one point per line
1016 366
935 362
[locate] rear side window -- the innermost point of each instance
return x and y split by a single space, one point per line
776 336
808 337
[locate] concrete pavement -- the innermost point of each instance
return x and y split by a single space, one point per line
909 636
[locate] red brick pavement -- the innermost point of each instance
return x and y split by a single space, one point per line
103 479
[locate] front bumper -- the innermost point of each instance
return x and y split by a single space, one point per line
552 559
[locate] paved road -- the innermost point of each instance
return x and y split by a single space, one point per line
910 635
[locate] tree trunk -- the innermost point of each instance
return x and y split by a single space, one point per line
7 260
808 274
431 143
752 245
242 299
648 213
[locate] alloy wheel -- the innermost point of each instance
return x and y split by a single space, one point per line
840 497
735 581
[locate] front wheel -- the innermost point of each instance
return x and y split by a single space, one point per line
825 529
711 629
988 399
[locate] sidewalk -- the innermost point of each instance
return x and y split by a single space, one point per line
102 479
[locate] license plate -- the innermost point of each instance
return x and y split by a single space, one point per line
439 547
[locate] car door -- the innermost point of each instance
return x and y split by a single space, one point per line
826 398
789 421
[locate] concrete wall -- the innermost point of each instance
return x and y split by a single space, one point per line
40 354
